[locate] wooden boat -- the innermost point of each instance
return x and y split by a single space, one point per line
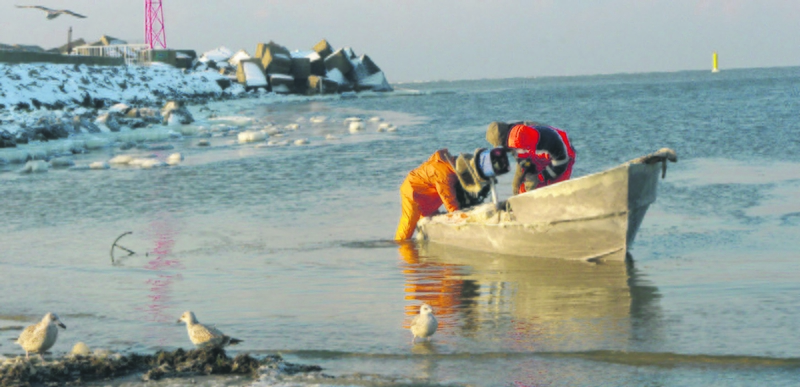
591 218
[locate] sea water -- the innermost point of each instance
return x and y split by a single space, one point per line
288 247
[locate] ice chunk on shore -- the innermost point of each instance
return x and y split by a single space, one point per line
121 160
251 136
151 163
99 165
174 159
356 127
35 166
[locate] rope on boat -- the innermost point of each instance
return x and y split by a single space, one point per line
662 155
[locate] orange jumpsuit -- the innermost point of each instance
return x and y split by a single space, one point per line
424 190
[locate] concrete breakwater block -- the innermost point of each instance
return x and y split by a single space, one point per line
250 74
238 57
276 63
374 82
369 65
275 59
338 60
349 53
301 68
281 83
366 75
320 85
317 65
323 48
262 48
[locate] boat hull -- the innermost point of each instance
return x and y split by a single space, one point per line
594 217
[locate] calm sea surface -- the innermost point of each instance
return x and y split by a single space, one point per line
288 247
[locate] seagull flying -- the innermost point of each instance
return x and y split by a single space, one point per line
53 13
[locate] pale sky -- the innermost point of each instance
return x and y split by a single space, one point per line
423 40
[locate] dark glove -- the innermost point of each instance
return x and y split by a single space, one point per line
484 192
526 173
519 176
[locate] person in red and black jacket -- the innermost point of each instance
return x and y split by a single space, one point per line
544 153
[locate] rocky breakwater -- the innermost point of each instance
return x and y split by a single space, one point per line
45 125
83 366
321 70
41 102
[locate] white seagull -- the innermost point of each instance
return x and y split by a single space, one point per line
424 324
53 13
40 337
203 336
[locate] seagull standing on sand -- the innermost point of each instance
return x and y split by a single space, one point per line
53 13
203 336
424 324
40 337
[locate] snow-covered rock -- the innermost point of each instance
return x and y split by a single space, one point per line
174 113
32 84
218 54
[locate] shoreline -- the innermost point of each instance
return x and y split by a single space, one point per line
51 101
82 365
44 102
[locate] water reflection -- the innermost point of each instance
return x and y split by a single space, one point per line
160 285
523 304
440 285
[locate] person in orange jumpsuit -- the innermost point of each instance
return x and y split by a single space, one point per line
425 189
544 153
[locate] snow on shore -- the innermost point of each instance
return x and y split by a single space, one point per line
70 84
25 87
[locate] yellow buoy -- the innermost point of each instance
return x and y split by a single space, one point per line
715 68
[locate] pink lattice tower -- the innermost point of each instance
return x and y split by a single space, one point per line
154 32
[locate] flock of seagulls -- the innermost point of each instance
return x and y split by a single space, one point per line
40 337
53 13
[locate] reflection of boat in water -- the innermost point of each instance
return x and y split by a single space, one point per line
543 304
593 217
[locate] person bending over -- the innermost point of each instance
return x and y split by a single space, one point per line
544 153
425 189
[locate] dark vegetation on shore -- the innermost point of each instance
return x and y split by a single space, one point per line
77 369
